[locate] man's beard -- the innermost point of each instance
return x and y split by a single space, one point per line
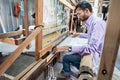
84 18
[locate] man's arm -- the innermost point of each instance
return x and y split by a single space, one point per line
95 41
61 49
83 35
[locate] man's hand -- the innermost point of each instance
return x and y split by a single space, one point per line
75 34
61 49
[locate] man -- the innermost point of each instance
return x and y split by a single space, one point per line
95 35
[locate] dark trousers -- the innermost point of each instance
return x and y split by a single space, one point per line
72 59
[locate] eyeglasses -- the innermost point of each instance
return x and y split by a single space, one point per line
78 14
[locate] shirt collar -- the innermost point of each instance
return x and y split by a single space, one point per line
88 21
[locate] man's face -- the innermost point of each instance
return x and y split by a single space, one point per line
82 15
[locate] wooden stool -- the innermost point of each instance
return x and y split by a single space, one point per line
86 72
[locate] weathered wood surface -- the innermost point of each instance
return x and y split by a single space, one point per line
67 4
11 34
38 21
111 42
8 62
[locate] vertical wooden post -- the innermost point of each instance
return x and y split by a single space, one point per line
111 42
26 17
38 21
100 2
72 22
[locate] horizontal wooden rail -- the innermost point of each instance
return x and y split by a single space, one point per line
35 71
19 76
8 40
8 62
13 41
11 34
35 67
19 40
8 76
67 4
51 45
50 30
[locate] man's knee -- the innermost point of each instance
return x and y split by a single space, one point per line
65 58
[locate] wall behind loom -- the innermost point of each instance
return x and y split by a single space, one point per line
54 14
8 22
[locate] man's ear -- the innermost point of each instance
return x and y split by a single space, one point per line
86 9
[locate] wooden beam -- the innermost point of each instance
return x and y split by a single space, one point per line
11 34
50 30
26 17
86 68
5 65
32 70
13 41
73 1
50 46
35 71
8 40
8 76
38 21
19 40
67 4
111 42
26 20
19 76
72 22
45 50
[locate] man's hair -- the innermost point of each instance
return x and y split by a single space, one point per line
83 5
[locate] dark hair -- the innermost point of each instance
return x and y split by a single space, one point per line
83 5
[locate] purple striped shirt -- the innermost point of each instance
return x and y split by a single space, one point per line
95 35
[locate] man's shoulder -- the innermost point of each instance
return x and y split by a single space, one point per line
96 19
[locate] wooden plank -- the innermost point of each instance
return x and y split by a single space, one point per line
26 17
86 61
24 31
51 45
32 70
73 1
111 42
5 65
45 50
8 40
8 76
19 76
86 68
13 41
10 34
38 21
19 40
28 54
50 38
67 4
35 71
49 59
72 22
50 30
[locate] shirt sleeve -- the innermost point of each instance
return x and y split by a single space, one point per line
94 41
83 35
